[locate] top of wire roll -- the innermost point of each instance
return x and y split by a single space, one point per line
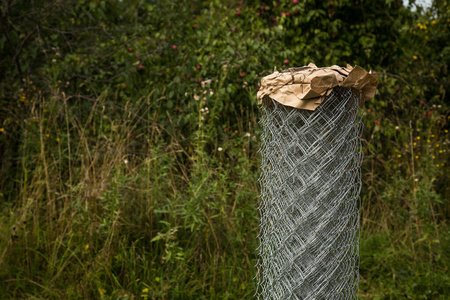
306 87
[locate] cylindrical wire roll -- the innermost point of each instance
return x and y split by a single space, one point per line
309 199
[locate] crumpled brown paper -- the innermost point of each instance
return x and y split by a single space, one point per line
306 87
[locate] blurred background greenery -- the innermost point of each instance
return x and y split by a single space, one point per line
129 137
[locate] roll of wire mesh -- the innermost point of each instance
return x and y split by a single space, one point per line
309 199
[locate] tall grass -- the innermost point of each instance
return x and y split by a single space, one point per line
117 204
109 208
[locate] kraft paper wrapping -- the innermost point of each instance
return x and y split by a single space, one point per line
306 87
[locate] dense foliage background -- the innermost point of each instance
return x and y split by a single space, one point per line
129 137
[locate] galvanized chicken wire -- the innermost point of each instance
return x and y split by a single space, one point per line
309 202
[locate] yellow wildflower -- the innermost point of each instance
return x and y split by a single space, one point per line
102 292
2 129
428 141
434 157
417 156
414 57
414 143
440 151
58 140
437 145
399 155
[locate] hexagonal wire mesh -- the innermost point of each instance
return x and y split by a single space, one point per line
309 199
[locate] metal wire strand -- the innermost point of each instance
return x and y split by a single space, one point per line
309 199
